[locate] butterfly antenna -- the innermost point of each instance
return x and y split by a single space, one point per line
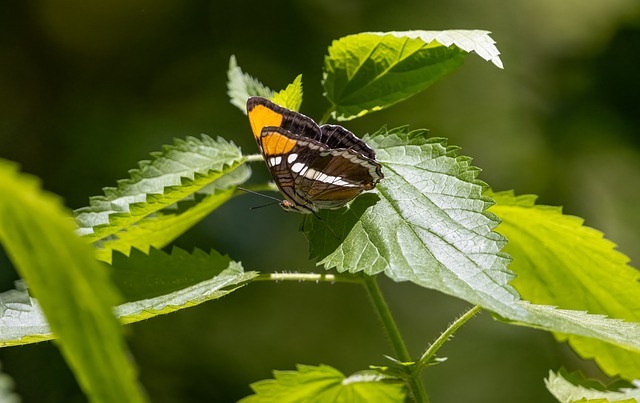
260 194
277 201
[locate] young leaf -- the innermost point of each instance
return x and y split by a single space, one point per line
371 71
241 86
567 391
198 174
555 255
152 285
327 384
290 97
71 285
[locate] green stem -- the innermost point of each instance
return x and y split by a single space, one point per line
433 348
326 116
253 157
371 284
311 277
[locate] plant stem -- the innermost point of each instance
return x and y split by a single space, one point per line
326 116
433 348
313 277
253 158
371 284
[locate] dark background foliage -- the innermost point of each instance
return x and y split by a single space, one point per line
87 89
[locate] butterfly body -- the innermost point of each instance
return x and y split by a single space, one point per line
315 167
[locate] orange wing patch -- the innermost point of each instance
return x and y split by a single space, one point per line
274 143
261 116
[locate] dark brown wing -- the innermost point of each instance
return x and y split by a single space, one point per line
335 136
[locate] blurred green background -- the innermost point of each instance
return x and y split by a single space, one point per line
87 89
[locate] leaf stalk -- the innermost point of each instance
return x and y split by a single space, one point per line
400 348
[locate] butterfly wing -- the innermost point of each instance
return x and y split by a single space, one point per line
315 167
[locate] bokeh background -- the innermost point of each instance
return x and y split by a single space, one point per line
87 89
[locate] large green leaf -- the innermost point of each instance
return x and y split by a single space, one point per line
152 285
373 70
426 222
72 287
568 388
164 197
326 384
561 262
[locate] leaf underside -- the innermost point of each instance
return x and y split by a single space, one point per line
427 222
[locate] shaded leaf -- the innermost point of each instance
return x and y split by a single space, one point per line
152 285
370 71
327 384
159 283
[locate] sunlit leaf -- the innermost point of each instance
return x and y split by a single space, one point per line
241 86
561 262
197 174
370 71
290 97
326 384
426 222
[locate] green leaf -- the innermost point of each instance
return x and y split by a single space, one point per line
567 391
425 222
326 384
72 287
563 263
241 86
152 285
160 283
290 97
613 331
371 71
164 197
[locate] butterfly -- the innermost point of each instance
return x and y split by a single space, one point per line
315 167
